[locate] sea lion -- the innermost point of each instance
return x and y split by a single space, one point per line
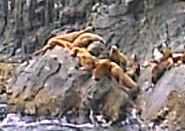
159 69
123 78
70 37
104 67
118 57
166 53
86 38
52 43
63 40
86 60
134 67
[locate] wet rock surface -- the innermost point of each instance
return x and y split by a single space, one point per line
18 122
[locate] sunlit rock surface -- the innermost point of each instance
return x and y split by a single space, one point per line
165 102
52 85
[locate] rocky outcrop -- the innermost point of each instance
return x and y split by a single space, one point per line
52 85
165 102
47 82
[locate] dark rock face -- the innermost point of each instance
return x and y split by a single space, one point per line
135 26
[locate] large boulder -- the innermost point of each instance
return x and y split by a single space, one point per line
52 85
165 102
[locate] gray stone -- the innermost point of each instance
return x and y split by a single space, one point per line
165 101
136 26
52 85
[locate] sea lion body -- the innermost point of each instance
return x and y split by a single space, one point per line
70 37
86 60
86 38
118 57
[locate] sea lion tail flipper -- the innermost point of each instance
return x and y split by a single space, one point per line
42 50
88 29
36 53
103 41
96 37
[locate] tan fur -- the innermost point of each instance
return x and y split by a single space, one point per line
160 68
117 73
102 68
86 38
70 37
183 57
118 57
161 54
134 70
63 40
86 60
108 68
166 61
52 43
178 57
166 52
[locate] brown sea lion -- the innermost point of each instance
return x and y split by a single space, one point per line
86 38
86 60
118 57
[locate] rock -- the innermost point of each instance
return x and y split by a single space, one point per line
168 93
144 80
52 85
134 25
7 70
96 48
126 23
175 116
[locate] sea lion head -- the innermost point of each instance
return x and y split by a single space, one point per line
74 51
156 54
113 48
